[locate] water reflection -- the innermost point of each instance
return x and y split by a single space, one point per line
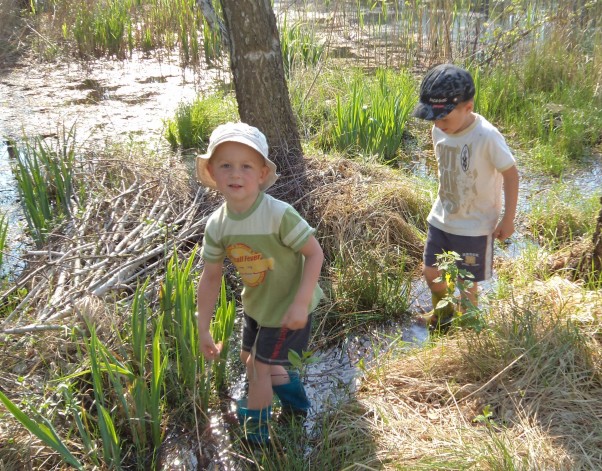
10 208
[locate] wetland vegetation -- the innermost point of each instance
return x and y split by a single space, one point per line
99 362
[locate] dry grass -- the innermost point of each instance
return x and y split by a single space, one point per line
537 368
360 208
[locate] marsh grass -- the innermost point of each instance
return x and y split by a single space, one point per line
368 289
300 46
192 124
125 386
44 176
371 118
549 98
510 397
3 235
560 215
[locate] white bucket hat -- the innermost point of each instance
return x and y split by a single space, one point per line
235 132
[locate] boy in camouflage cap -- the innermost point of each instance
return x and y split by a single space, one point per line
474 165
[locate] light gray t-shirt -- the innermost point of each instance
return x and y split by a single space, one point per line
470 163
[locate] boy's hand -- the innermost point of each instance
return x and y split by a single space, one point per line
296 317
208 347
504 229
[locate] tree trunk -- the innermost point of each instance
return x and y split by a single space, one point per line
261 89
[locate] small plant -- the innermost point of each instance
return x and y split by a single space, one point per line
301 362
486 417
468 315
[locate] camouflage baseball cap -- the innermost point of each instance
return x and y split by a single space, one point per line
441 90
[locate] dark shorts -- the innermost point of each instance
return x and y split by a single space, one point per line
272 344
476 252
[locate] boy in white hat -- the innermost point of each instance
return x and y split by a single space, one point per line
279 260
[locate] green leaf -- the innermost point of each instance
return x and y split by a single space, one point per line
44 431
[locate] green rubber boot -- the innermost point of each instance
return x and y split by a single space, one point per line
441 317
254 423
293 398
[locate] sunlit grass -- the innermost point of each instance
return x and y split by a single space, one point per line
193 123
510 397
561 214
44 176
300 46
370 119
3 235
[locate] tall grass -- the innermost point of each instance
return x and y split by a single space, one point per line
561 214
178 306
44 178
221 330
193 123
300 46
550 98
367 289
117 400
371 119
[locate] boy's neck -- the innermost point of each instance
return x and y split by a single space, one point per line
241 207
470 118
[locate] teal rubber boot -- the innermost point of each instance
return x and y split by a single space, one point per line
254 423
293 397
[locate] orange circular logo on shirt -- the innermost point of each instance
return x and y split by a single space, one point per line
251 265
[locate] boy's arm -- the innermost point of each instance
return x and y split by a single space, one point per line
206 297
505 227
296 315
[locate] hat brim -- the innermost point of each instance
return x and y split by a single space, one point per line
205 178
430 113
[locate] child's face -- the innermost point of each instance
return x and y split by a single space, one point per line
238 172
457 120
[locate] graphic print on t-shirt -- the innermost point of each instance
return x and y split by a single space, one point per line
457 180
251 265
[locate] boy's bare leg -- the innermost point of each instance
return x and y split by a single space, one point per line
279 375
260 384
438 290
278 372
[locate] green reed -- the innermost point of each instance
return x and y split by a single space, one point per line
367 289
300 46
560 214
43 429
371 120
549 97
44 178
221 331
178 306
193 123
